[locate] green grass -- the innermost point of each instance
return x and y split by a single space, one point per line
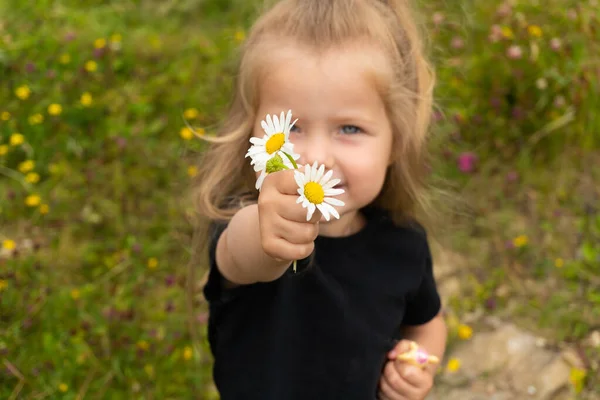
93 296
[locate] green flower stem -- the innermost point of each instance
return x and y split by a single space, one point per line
291 160
295 167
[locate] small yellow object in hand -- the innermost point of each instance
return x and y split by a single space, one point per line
418 356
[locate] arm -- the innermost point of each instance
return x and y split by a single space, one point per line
240 255
431 336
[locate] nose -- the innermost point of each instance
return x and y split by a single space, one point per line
316 147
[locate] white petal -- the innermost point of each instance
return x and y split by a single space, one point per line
331 210
333 192
313 171
260 180
288 119
305 202
334 202
265 127
307 173
323 210
282 122
300 198
298 178
325 178
320 172
331 184
276 123
311 210
270 124
258 141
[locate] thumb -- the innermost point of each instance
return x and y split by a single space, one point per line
401 347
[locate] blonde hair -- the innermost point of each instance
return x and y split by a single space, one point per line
225 180
224 174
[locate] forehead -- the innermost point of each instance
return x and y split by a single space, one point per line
354 73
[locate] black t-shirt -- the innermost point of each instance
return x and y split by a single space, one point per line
323 332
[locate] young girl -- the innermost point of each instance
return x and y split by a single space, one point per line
354 75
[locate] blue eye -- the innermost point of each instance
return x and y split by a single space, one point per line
350 129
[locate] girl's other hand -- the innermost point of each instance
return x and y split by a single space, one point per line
403 381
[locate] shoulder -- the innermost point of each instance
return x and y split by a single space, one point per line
407 241
409 229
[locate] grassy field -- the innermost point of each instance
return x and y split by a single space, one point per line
95 156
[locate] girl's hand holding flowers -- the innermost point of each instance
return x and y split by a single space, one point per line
287 232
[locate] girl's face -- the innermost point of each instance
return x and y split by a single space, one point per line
342 121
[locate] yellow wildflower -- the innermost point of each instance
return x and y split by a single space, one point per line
465 332
9 244
155 42
559 263
16 139
453 365
36 119
3 284
152 263
3 149
32 177
33 200
534 31
5 116
23 92
192 171
507 32
26 166
100 43
54 109
520 241
143 345
190 113
116 38
75 294
44 209
186 133
91 66
188 353
64 58
86 99
577 378
149 369
54 169
63 387
240 36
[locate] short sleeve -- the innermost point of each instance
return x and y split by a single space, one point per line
424 303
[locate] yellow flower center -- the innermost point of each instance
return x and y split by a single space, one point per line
314 192
275 143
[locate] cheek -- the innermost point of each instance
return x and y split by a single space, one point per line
366 174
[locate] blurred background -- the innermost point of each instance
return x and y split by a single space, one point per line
96 156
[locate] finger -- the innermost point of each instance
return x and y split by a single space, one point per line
395 379
297 232
388 392
415 377
401 347
285 182
281 249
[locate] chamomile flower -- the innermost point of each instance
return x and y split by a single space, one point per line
315 188
274 143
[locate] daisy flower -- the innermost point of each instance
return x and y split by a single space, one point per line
315 188
274 143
